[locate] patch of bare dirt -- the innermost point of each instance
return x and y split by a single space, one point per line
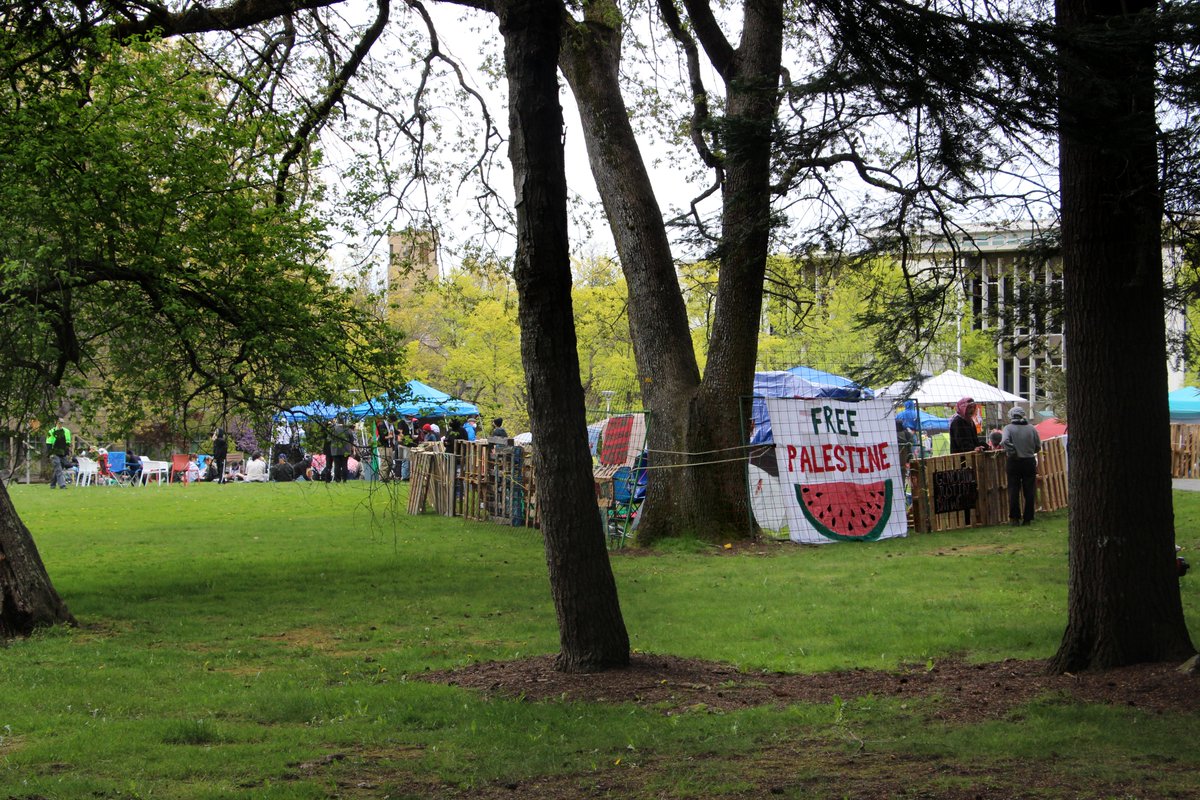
798 768
966 692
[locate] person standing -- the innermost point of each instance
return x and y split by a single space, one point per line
58 445
340 442
963 436
385 435
220 452
1022 444
469 428
404 440
964 439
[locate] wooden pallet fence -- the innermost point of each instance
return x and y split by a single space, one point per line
943 485
431 480
497 484
1185 451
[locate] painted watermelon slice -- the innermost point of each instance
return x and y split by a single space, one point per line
848 512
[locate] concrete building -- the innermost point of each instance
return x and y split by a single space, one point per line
1014 289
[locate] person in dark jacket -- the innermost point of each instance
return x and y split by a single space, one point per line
341 440
1022 444
220 452
963 436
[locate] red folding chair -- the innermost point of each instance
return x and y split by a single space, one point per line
179 468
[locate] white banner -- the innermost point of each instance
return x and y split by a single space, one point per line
840 465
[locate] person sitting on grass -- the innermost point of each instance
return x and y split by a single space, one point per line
282 471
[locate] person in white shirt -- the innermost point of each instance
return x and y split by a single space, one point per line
256 469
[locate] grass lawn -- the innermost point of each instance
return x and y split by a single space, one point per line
259 641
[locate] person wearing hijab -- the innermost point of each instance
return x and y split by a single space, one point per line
963 437
1022 443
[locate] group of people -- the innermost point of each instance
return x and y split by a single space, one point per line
289 461
395 433
1020 442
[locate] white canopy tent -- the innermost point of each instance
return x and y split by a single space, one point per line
949 388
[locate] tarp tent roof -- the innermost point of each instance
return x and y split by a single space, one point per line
420 400
925 422
310 411
803 382
1184 404
950 387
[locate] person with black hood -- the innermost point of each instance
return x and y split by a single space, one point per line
220 452
1022 443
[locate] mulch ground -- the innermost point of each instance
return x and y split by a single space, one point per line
967 692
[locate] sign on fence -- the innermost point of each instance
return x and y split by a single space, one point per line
955 490
841 461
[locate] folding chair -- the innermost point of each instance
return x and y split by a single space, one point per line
179 468
116 468
88 470
629 490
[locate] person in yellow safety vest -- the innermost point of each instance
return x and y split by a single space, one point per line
58 446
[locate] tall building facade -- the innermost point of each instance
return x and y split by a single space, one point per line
1014 290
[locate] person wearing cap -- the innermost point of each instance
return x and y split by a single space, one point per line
468 428
1022 443
428 434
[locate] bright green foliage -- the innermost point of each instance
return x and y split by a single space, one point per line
148 253
464 338
252 641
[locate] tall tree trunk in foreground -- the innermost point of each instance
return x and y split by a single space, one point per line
706 494
1123 600
591 630
27 598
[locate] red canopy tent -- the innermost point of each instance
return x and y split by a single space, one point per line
1048 429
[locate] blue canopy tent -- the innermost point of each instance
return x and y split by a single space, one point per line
310 411
1184 405
797 382
419 400
833 383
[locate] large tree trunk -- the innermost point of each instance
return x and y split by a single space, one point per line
591 630
668 373
1123 597
27 598
703 493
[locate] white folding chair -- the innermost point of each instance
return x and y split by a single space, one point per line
161 469
87 471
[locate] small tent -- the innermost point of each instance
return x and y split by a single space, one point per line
914 419
948 388
416 399
309 412
1184 405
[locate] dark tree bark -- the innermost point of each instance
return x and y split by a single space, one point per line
27 598
706 495
591 630
668 373
1123 599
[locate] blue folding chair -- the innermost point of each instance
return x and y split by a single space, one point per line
629 490
116 468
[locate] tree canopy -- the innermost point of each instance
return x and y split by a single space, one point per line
146 257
